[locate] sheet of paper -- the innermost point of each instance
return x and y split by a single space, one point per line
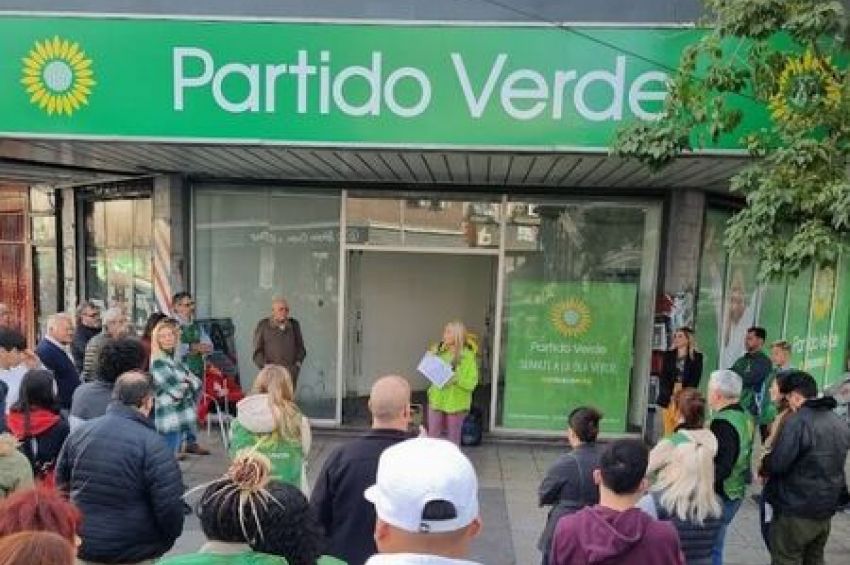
435 369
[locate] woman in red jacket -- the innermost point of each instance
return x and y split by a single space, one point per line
35 420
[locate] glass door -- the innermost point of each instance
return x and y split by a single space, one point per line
253 244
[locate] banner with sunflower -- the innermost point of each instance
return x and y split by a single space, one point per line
568 344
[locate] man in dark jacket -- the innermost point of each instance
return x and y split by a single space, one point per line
278 341
806 469
348 518
122 476
88 326
754 367
117 357
55 354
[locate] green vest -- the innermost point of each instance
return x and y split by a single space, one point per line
286 456
191 334
735 485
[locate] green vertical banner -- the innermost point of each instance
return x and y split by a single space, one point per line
710 296
820 321
837 353
771 316
797 317
568 344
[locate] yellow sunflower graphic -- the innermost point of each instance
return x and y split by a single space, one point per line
807 87
58 76
571 317
822 292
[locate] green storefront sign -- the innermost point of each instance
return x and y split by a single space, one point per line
332 84
568 344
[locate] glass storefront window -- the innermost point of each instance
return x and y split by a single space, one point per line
252 244
422 221
118 261
576 277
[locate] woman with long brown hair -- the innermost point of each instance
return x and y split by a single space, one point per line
269 421
682 368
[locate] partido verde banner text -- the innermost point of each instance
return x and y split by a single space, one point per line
568 344
333 84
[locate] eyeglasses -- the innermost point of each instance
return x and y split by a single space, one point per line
188 303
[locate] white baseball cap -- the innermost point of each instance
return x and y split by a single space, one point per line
418 471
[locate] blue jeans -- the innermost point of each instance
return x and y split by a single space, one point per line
730 508
172 439
191 438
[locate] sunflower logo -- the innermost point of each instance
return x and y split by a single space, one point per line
571 317
808 87
58 76
822 292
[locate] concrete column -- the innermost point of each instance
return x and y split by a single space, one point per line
171 240
684 238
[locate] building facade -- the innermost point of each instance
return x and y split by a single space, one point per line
388 171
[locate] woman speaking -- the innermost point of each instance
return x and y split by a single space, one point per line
449 404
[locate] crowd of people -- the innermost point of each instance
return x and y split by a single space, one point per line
95 422
691 485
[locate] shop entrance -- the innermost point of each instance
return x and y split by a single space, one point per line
398 303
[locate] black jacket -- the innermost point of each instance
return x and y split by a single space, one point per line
348 518
806 464
122 476
568 487
82 335
64 371
690 379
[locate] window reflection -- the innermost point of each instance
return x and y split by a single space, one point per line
422 221
118 259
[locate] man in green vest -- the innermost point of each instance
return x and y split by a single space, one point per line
754 368
194 345
733 427
780 357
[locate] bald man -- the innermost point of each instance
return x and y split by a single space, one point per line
278 341
348 518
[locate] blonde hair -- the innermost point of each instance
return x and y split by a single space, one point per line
276 382
164 325
458 332
686 482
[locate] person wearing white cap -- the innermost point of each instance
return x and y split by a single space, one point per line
426 500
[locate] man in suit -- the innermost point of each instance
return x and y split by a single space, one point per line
55 354
278 341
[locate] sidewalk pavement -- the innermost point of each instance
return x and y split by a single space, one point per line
508 474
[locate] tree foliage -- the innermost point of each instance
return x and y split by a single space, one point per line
789 56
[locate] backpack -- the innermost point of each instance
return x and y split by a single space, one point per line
472 428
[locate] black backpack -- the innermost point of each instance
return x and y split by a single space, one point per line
473 428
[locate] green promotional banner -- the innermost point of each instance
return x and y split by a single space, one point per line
334 84
820 334
568 344
838 335
797 316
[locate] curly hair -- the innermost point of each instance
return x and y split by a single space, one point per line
119 356
294 530
245 506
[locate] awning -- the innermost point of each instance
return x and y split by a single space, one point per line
68 162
